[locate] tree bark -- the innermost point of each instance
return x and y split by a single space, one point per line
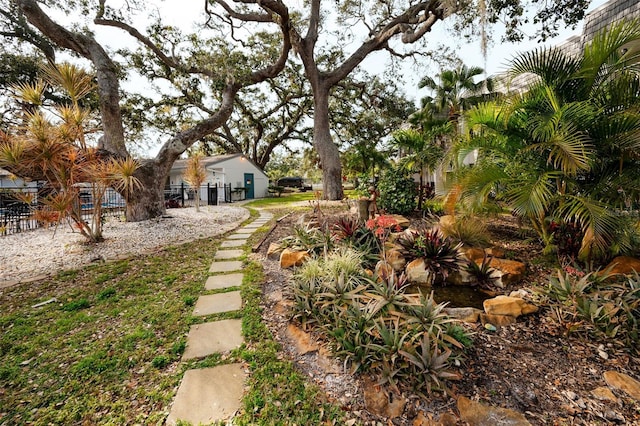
326 148
148 201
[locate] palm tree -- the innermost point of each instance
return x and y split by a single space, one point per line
423 151
561 150
455 89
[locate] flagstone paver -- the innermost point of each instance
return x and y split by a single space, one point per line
208 395
228 254
217 303
226 266
211 337
239 236
214 394
233 243
217 282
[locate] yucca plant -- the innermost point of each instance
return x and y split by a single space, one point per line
440 254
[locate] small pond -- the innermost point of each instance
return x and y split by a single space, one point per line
458 296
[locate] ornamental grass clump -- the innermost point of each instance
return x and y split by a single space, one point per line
470 231
374 324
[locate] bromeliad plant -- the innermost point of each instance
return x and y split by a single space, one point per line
440 254
374 324
596 305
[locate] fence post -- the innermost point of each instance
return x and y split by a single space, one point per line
182 193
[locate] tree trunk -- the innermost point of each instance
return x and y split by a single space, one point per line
327 150
147 201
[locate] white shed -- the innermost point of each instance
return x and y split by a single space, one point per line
235 170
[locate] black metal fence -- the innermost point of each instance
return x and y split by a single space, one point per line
17 206
185 196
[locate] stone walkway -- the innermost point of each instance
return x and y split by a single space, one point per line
210 395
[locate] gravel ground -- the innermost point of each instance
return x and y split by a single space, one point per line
43 252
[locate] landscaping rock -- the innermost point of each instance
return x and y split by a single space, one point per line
623 382
477 414
382 404
470 315
506 305
383 269
604 394
302 340
274 251
459 278
497 320
512 270
396 260
290 258
417 272
624 265
475 253
445 419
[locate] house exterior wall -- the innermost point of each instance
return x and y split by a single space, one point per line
234 170
227 171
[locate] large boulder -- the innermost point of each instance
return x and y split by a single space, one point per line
497 320
274 251
396 260
624 265
417 272
290 258
510 306
512 270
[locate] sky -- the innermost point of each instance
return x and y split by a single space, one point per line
183 13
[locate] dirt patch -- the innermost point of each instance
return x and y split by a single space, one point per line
530 367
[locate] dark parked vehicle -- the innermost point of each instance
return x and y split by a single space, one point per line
294 182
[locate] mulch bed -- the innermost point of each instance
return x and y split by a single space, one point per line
531 367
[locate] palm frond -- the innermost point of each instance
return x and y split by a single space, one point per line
598 222
532 196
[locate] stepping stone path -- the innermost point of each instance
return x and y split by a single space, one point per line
210 395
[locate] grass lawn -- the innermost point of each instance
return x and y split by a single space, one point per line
291 197
108 350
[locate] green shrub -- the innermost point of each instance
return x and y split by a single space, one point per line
398 192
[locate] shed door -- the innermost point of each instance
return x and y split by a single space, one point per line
248 185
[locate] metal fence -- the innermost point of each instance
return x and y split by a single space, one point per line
16 215
185 196
17 206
